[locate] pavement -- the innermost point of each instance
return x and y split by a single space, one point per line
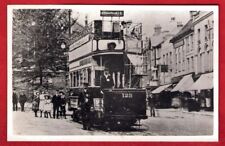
28 106
179 110
167 122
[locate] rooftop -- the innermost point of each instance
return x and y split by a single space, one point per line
185 30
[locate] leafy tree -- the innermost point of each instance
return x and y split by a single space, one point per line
37 38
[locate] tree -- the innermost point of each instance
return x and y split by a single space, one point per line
37 39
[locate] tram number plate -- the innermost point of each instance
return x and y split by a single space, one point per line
127 95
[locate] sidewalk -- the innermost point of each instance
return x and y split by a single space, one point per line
201 112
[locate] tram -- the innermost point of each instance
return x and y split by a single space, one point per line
117 46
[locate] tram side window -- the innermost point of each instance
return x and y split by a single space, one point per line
89 76
97 77
97 29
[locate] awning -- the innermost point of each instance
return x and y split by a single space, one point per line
204 82
184 84
161 88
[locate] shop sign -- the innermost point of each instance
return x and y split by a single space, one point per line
178 44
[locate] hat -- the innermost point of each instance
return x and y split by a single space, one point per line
61 92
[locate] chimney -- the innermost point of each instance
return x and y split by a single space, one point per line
193 14
157 29
179 24
86 20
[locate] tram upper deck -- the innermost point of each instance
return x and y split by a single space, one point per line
105 45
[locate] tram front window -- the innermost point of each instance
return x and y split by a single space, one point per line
107 30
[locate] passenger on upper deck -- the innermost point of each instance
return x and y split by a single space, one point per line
106 80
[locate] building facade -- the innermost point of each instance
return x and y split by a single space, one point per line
193 57
181 60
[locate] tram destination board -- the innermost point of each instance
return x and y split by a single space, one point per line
109 13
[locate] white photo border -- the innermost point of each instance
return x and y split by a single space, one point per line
102 138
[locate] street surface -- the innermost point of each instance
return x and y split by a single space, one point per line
170 122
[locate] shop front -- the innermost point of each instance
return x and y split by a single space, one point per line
203 88
163 96
180 92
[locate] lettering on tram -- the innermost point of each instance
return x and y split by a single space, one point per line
123 103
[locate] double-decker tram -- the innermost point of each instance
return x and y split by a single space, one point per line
116 46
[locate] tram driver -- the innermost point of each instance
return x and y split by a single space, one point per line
106 80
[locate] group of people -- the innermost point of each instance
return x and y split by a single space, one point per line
22 99
47 105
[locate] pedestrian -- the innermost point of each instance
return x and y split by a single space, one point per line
35 103
85 102
48 107
63 104
42 103
22 100
151 101
56 99
106 80
15 101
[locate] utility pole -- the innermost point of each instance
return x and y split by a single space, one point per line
150 61
70 22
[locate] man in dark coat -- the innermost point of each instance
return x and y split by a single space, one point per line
106 80
151 101
63 104
15 101
56 99
85 102
22 100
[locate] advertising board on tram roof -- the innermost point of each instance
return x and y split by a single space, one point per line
110 13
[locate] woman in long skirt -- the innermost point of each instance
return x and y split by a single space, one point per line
48 107
42 103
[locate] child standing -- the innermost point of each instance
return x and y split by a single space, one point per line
35 103
48 107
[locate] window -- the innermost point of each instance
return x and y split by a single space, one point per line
71 79
203 62
200 64
167 61
188 64
175 61
163 62
206 33
192 42
187 44
183 65
192 64
212 33
199 35
89 76
74 80
171 61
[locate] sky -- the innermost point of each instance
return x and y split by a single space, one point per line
148 16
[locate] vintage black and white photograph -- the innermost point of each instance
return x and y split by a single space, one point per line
112 73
